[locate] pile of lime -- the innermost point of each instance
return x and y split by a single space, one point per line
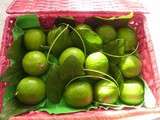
92 48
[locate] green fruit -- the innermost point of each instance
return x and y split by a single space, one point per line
107 33
91 39
83 27
30 90
97 61
130 38
35 63
34 39
63 41
78 94
130 66
132 92
106 92
72 51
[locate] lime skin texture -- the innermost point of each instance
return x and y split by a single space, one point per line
34 39
78 94
30 90
35 63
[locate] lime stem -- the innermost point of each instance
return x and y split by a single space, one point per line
84 47
102 73
119 56
54 41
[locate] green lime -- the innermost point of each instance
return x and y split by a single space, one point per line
97 61
72 51
81 29
30 90
63 41
132 92
129 37
35 63
107 33
78 94
106 92
130 66
91 39
34 39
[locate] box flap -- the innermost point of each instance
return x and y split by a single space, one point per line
45 6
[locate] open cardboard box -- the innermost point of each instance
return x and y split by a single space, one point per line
48 10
